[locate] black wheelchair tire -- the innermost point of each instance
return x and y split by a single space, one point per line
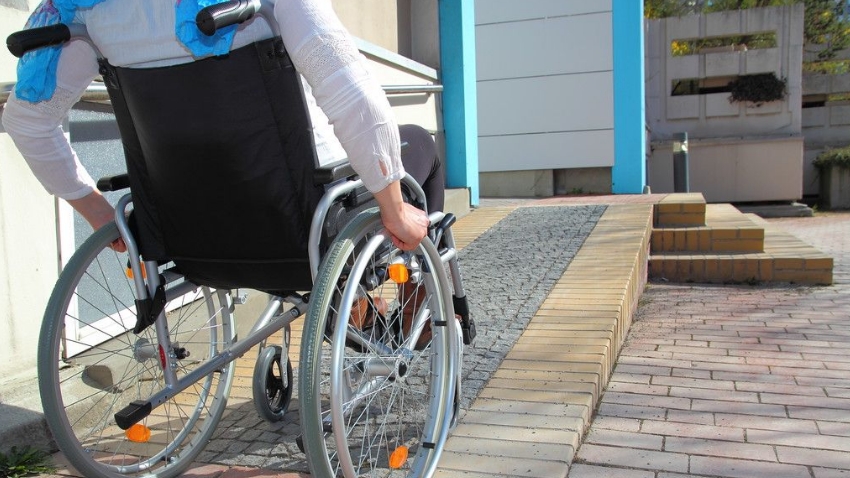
271 398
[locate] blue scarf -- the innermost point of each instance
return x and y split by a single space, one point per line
37 68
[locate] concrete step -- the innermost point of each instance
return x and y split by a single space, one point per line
726 230
785 259
793 209
680 210
457 202
717 243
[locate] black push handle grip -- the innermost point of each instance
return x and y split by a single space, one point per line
211 18
23 41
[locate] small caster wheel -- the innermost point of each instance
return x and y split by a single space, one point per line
271 396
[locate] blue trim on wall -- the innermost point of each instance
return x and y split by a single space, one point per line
628 175
460 105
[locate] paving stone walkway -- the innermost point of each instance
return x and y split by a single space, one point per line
733 381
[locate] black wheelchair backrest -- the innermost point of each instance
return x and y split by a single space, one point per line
222 166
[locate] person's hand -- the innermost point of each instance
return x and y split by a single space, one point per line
408 228
406 224
98 212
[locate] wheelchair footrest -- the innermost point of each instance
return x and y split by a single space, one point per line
132 414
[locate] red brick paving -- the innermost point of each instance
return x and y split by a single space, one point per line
733 381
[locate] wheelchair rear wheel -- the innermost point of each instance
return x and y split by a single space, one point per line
376 394
90 366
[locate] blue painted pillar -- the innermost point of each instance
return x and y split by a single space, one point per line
460 105
629 172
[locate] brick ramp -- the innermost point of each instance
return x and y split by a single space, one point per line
530 417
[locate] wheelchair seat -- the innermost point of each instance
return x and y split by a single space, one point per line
222 166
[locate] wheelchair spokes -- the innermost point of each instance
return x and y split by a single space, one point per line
378 377
374 393
90 367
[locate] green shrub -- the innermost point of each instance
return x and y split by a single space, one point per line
759 88
28 461
833 158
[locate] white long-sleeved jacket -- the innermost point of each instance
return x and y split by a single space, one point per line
351 104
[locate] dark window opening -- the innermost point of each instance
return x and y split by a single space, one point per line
818 101
814 101
702 86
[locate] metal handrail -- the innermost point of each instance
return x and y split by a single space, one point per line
97 91
412 89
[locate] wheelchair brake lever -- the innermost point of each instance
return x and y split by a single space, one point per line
441 227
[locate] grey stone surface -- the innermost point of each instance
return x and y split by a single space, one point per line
508 272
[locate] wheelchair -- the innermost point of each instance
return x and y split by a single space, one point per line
137 350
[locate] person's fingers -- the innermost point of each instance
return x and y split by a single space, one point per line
118 245
401 244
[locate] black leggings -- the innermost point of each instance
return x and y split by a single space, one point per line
422 162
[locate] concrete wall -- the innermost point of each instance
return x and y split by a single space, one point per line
392 69
712 117
545 103
735 170
28 254
375 21
826 126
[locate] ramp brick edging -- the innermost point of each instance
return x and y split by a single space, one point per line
530 418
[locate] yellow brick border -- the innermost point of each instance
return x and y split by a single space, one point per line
529 419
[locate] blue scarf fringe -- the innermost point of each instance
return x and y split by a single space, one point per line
37 68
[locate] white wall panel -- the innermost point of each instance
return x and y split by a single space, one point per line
546 104
576 149
544 47
545 84
498 11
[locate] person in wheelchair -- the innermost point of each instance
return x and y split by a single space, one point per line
235 106
350 114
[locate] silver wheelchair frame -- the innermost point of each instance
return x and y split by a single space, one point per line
377 364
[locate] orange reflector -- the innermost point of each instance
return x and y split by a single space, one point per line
398 457
130 273
138 433
399 273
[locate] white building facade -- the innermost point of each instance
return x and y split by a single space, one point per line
560 96
738 151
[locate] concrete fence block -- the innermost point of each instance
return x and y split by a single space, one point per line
682 28
761 20
764 61
815 117
723 23
718 104
839 115
816 84
840 84
722 64
682 107
683 67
